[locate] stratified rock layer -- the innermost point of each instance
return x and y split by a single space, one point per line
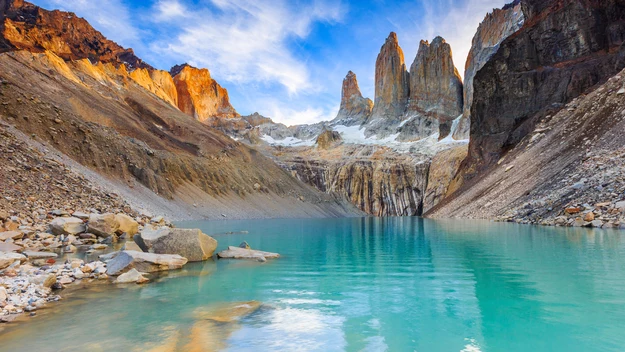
496 26
564 48
199 95
354 108
375 179
435 85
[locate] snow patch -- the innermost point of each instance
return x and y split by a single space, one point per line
288 141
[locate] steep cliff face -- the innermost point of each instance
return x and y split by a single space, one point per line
375 179
564 48
391 81
29 27
158 82
442 170
355 109
435 85
496 26
575 158
199 95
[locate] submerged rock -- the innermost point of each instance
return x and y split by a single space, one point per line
144 262
243 253
131 276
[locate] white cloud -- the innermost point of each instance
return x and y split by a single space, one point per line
247 40
457 22
294 116
170 9
111 17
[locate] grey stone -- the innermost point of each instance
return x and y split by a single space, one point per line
39 255
242 253
147 237
144 262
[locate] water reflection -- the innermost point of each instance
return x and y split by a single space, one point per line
367 284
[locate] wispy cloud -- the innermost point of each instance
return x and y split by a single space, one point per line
245 41
166 10
457 22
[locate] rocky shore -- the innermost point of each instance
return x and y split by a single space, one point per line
593 196
45 253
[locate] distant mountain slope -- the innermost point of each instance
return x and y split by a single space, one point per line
64 84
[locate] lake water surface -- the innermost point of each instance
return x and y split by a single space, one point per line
370 284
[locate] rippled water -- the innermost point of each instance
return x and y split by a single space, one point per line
372 284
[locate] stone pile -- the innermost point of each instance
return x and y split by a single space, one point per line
593 196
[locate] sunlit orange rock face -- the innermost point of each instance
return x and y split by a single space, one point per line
199 95
158 82
29 27
391 80
354 108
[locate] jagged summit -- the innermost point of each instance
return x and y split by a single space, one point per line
391 80
435 85
199 95
354 108
26 26
178 68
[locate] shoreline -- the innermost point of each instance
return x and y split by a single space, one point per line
46 281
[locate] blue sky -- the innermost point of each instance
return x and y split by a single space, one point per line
283 59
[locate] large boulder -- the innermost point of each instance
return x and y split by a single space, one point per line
143 262
126 225
103 225
7 259
67 226
189 243
148 236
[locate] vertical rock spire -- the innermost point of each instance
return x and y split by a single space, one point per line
435 84
354 108
391 81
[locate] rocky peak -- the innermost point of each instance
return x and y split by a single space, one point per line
435 84
354 108
496 26
391 81
199 95
564 48
28 27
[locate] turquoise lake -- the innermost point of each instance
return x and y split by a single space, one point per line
365 284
